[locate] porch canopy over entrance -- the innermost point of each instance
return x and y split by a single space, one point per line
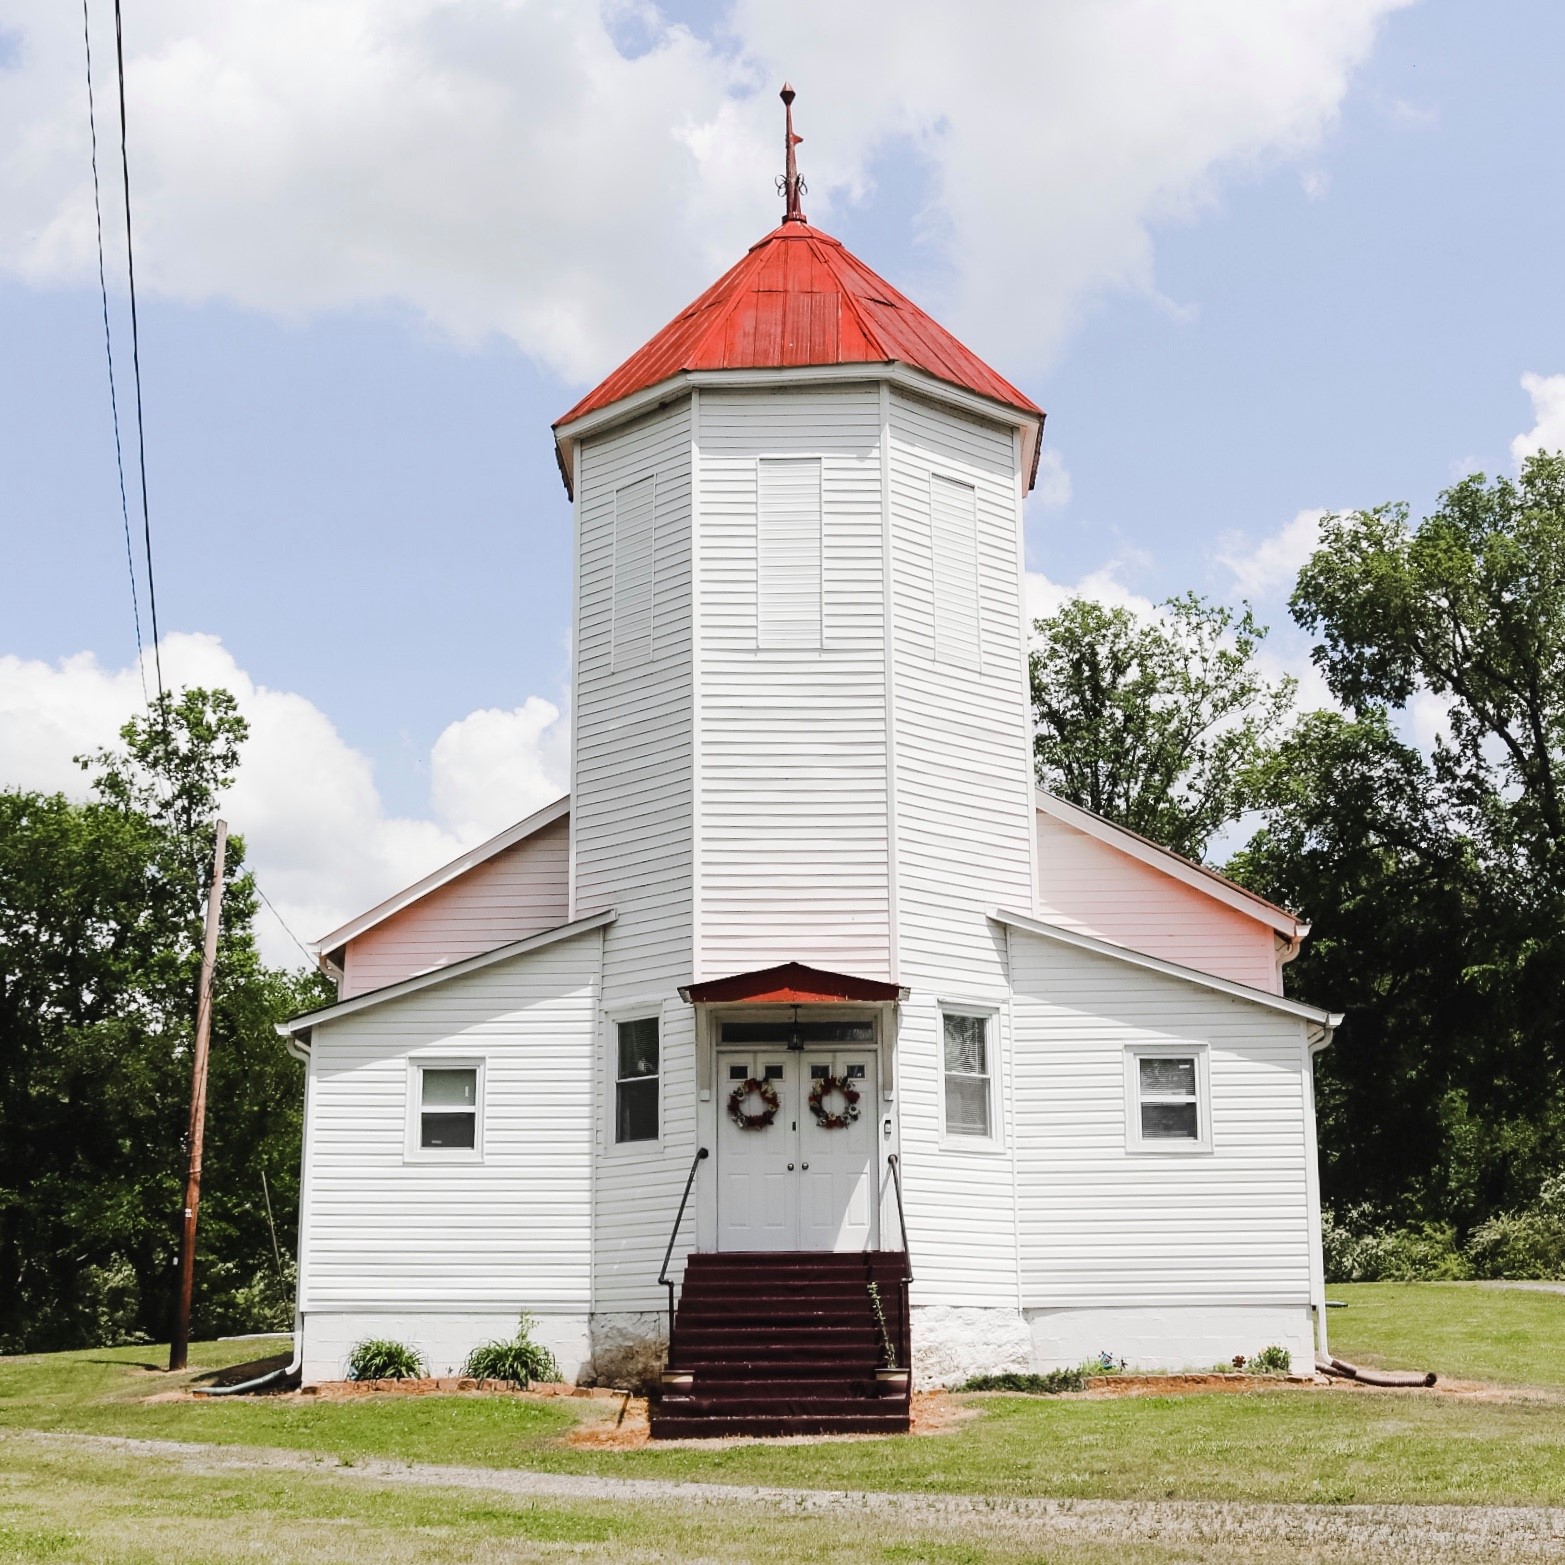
792 983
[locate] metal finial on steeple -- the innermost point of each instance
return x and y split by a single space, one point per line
791 185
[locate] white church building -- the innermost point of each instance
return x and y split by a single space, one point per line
804 978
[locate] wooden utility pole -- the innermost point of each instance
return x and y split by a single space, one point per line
180 1344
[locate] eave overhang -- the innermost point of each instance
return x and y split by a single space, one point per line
569 434
1328 1021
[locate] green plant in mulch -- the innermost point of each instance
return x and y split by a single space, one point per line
519 1361
1051 1383
1272 1360
1104 1364
377 1358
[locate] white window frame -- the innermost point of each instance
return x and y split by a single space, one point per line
632 1013
1158 1146
413 1151
962 1140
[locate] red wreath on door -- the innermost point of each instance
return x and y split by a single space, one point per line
821 1089
740 1096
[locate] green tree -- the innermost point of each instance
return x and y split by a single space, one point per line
100 921
1154 724
1436 887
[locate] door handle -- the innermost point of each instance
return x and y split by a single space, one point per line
790 1168
804 1165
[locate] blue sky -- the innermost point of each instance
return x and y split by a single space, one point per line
353 493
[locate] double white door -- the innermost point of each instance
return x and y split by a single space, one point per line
797 1184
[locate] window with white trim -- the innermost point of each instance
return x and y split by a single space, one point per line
447 1108
636 1080
1167 1101
788 552
969 1095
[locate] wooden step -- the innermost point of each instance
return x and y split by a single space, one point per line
675 1426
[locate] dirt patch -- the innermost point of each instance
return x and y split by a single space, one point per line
1178 1385
332 1390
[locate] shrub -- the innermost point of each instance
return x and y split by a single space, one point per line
1360 1247
520 1361
1272 1361
1526 1244
1051 1383
378 1359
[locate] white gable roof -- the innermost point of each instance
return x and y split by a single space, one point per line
1197 876
394 904
1330 1020
297 1026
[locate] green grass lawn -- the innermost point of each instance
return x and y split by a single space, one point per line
1462 1330
1283 1444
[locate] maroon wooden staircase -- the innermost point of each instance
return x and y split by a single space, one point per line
785 1344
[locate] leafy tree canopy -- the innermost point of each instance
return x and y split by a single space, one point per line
1154 724
100 927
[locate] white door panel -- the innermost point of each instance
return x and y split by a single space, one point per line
794 1184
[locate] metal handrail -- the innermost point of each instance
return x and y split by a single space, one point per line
895 1165
668 1254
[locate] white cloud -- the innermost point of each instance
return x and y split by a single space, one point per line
491 768
315 829
1548 417
1045 596
504 168
1268 568
1053 488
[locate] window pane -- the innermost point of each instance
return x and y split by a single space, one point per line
1165 1078
738 1072
967 1106
451 1088
638 1047
967 1044
774 1072
1169 1122
786 1031
451 1131
636 1111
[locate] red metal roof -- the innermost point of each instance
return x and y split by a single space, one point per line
799 298
792 983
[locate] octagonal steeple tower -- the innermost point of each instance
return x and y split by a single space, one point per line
800 701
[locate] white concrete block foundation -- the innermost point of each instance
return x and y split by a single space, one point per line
952 1343
443 1338
1189 1336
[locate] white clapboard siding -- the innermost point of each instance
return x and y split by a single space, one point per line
788 552
637 1187
1102 1225
1087 885
631 818
953 528
521 891
793 782
963 752
635 509
631 794
383 1229
964 808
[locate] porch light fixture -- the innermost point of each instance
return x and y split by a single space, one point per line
794 1040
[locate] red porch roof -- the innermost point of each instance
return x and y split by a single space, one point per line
791 983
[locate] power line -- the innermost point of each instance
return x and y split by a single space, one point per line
135 357
108 349
308 954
